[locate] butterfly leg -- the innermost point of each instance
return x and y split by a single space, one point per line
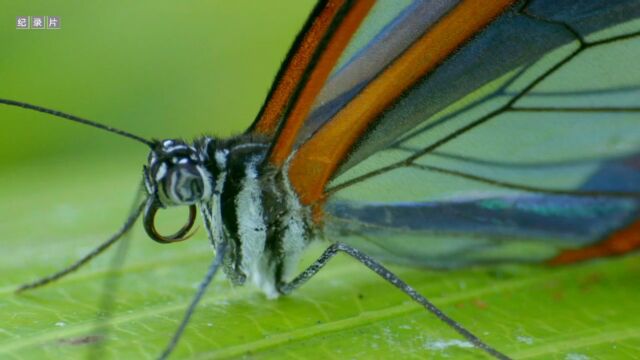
88 257
221 252
286 288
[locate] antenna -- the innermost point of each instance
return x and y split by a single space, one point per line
77 119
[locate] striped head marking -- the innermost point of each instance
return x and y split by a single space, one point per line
176 174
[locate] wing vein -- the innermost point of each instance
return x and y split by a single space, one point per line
509 106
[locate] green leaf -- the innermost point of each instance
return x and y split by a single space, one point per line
586 311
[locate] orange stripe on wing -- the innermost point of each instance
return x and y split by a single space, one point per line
618 243
327 60
317 160
298 63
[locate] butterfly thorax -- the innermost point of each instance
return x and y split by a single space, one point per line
243 200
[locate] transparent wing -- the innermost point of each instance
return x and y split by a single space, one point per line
492 225
541 162
389 29
523 36
317 158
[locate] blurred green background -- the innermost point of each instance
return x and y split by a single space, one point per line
156 68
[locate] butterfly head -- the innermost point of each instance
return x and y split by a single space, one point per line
175 175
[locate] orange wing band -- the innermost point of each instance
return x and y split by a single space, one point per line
326 62
277 103
618 243
317 160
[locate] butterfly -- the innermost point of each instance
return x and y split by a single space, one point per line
361 140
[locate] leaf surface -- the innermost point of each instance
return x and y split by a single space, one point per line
585 311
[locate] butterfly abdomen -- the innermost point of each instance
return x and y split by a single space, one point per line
265 223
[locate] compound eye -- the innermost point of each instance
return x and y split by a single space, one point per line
185 185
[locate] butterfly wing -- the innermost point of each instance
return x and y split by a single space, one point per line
318 158
492 224
455 114
314 53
